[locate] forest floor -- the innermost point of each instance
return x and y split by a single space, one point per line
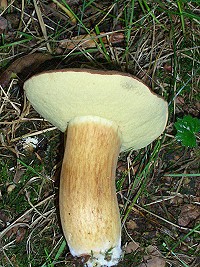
158 187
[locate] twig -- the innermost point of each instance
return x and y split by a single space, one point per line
16 222
163 219
42 25
33 134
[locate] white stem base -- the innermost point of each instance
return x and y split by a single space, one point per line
106 258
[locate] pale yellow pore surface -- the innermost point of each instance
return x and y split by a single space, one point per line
88 204
62 95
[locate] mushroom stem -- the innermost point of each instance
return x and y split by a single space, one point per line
88 204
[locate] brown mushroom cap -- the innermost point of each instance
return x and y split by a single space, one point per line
61 95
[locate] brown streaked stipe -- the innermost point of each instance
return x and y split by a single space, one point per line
88 204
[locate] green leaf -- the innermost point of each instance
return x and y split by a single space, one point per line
186 129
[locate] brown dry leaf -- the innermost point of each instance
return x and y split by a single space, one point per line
13 20
12 231
132 225
21 234
3 4
177 200
180 100
31 61
91 40
153 259
18 174
121 166
3 24
84 41
189 213
4 219
167 67
131 247
19 230
197 104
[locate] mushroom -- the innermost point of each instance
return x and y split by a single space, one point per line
103 113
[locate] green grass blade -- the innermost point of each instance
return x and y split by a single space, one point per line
185 236
49 262
29 168
180 4
103 48
183 175
151 13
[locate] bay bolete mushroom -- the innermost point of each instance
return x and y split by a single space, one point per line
103 113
